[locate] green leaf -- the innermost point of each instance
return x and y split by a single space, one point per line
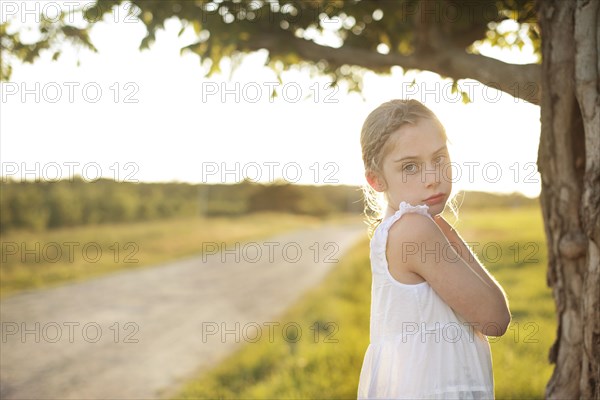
465 98
197 26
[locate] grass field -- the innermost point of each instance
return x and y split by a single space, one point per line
34 260
324 360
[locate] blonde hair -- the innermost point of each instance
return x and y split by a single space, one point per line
376 131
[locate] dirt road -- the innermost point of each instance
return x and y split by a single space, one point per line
138 333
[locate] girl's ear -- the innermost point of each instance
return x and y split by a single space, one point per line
375 181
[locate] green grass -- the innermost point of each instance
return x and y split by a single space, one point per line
317 368
123 246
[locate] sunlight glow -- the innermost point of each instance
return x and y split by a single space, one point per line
179 124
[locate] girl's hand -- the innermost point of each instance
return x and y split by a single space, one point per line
444 226
454 238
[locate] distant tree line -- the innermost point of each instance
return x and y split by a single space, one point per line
47 205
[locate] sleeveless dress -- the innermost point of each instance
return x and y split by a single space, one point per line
419 347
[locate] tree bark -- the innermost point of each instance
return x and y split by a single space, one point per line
569 163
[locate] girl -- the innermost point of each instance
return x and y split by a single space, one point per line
432 301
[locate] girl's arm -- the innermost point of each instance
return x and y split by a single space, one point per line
417 244
466 254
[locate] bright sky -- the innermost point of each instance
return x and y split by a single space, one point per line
158 118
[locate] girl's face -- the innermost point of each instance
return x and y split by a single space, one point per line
416 169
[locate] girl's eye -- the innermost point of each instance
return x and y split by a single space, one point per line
410 168
439 159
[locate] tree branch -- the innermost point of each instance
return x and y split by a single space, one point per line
520 81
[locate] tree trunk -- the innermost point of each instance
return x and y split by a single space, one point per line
569 163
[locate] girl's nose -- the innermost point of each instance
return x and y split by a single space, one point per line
431 175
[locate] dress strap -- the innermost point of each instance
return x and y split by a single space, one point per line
404 208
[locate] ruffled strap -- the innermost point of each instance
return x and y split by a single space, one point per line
404 208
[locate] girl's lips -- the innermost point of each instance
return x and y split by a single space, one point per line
435 196
436 199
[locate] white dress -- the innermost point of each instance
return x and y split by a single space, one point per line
420 348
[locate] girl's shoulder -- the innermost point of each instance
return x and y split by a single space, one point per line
405 233
410 224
